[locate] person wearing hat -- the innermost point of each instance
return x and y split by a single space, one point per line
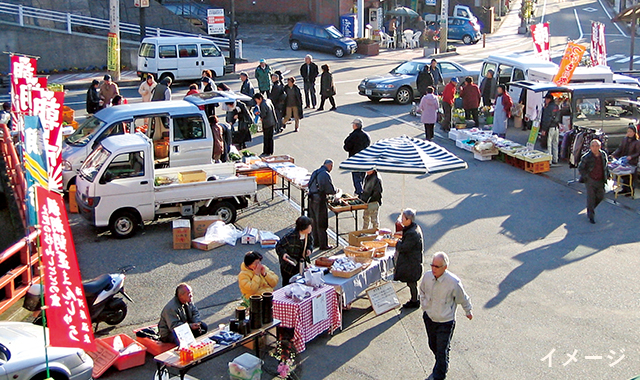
549 126
320 185
108 90
353 144
372 196
93 98
448 97
263 76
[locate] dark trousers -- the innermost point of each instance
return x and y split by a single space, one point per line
472 113
310 92
267 144
446 121
279 116
595 195
331 100
286 277
358 181
486 101
428 131
196 333
439 335
413 289
319 214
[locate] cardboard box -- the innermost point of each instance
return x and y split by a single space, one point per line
354 237
201 223
203 244
192 176
181 234
481 157
249 236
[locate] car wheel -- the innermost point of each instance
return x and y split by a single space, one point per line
404 95
339 52
117 312
166 75
123 224
467 39
225 210
295 45
375 100
54 376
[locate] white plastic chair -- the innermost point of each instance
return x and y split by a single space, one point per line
415 40
408 35
387 40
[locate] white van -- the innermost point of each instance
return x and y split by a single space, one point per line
179 58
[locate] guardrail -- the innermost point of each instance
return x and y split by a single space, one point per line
72 23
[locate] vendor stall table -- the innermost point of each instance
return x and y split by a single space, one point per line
285 185
299 315
350 288
170 360
354 214
620 183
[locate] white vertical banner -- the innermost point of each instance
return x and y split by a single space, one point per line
598 44
541 46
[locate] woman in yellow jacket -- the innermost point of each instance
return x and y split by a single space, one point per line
255 278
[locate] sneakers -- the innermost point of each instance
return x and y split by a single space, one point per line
411 305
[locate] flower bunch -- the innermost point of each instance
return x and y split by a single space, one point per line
457 116
285 352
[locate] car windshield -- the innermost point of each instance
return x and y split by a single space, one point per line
93 163
408 68
85 131
333 32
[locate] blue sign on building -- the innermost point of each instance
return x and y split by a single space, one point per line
349 25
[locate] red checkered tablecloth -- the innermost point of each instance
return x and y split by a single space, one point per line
299 315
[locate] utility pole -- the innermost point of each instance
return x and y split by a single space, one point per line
232 36
113 49
143 5
444 20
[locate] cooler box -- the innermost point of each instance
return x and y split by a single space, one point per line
245 367
133 354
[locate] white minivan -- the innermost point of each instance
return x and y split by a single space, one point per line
179 58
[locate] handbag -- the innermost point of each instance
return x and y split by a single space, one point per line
458 103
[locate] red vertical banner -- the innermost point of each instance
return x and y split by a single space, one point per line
68 317
570 61
598 44
540 35
21 68
48 105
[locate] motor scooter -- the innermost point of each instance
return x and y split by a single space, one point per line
101 299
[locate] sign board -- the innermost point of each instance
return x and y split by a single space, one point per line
112 52
430 2
533 136
141 3
540 35
320 312
383 298
215 21
184 335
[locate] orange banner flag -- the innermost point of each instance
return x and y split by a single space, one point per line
570 61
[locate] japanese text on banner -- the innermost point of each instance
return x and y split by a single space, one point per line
570 61
21 68
598 44
48 105
540 35
68 317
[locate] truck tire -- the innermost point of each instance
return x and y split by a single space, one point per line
123 224
166 75
225 210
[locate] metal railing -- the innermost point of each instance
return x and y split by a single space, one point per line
72 23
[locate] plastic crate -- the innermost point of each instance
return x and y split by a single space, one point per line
154 347
536 167
126 361
264 176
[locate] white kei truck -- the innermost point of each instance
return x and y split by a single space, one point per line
118 186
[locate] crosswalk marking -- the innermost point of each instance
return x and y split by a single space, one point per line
627 59
615 56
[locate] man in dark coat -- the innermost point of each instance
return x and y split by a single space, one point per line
178 311
409 257
309 73
93 99
424 80
372 196
246 88
268 116
293 102
320 185
549 126
353 144
239 111
488 88
278 97
594 173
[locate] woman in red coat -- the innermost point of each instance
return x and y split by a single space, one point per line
471 96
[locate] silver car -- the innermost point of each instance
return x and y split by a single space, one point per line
22 355
400 83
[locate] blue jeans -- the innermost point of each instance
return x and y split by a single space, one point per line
439 335
358 180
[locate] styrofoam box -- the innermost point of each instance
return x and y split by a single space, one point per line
453 134
480 157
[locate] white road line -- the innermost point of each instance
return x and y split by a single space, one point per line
73 103
617 56
348 81
575 12
351 93
609 16
627 59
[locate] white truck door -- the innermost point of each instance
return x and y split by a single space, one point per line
126 182
191 141
188 62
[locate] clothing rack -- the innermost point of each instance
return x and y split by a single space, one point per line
589 135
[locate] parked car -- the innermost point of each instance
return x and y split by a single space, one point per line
459 28
321 37
400 83
22 355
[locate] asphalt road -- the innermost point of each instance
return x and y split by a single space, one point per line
541 278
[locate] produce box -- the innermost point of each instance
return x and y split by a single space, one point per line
536 167
264 176
453 134
356 237
481 157
204 244
249 236
201 223
133 354
192 176
338 273
181 234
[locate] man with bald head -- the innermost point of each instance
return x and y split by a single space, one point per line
440 294
178 311
594 174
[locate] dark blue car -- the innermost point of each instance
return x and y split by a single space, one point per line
464 29
321 37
